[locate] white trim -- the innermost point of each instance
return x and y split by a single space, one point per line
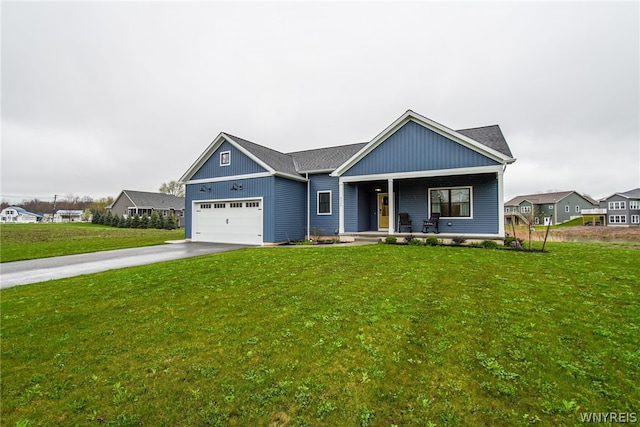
318 203
423 174
379 207
222 153
618 205
429 124
392 206
340 206
229 178
501 210
429 189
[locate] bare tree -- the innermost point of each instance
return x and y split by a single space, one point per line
172 187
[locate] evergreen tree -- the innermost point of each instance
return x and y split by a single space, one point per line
128 221
115 220
170 224
106 219
135 222
144 221
153 220
160 224
122 223
96 218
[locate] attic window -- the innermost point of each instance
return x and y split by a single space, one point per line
225 158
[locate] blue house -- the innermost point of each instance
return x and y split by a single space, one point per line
241 192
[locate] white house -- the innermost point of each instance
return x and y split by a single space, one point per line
66 215
17 215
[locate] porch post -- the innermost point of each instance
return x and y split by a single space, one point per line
341 206
500 176
392 207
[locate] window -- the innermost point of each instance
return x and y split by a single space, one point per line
525 209
634 204
536 220
507 210
235 204
253 204
324 202
635 219
617 219
616 206
550 207
577 209
219 205
451 202
205 205
225 158
567 209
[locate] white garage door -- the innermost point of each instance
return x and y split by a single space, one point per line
228 221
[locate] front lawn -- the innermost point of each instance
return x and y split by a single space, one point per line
358 336
31 241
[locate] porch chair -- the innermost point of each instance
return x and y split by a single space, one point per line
404 221
431 222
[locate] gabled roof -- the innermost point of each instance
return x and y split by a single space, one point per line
491 135
545 198
324 159
487 140
145 199
631 194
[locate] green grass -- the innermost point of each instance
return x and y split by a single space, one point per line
375 335
31 241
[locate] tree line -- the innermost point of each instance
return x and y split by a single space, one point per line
155 220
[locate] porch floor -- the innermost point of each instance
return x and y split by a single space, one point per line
368 235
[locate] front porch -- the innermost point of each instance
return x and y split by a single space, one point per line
469 206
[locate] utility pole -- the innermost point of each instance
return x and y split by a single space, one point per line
55 196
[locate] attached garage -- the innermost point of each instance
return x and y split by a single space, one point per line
236 221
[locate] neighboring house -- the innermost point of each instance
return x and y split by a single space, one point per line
17 215
622 209
241 192
547 208
131 202
68 215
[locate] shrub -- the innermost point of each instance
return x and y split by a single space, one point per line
390 240
458 240
488 244
432 241
415 242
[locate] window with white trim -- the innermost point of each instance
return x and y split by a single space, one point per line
525 209
219 205
550 207
617 206
225 158
235 204
634 204
324 202
452 202
205 205
567 209
507 209
252 204
635 219
617 219
577 209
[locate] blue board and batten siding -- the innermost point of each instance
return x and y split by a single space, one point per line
324 224
290 211
241 164
414 148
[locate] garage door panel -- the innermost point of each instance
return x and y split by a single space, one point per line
229 222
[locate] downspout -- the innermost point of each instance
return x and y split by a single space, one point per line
308 205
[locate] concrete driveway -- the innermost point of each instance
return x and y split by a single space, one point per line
40 270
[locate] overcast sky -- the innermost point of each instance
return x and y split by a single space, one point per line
98 97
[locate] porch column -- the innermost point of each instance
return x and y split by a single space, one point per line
340 206
500 176
392 207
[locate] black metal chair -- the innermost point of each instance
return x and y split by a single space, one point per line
404 221
431 222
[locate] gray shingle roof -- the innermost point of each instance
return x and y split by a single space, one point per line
322 159
632 194
280 162
330 158
536 199
491 136
145 199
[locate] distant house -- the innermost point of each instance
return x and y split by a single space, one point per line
622 209
68 215
17 215
547 208
131 202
